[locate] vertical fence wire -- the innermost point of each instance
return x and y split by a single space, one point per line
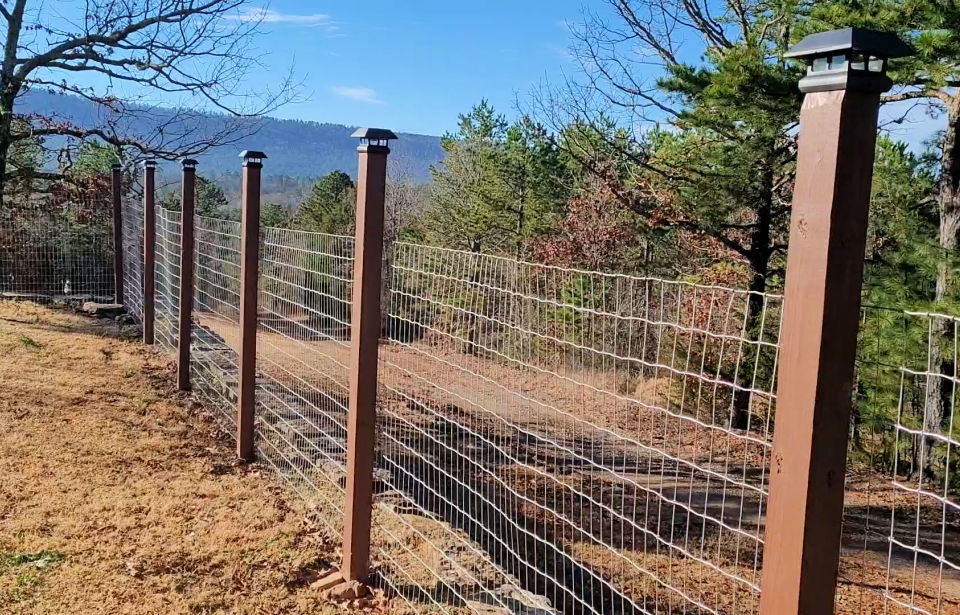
602 439
303 347
166 326
132 232
214 366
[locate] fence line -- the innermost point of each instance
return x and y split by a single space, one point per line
559 440
549 438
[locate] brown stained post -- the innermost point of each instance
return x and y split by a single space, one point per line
838 128
185 330
364 339
249 277
116 180
149 249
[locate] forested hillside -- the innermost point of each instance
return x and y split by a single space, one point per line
297 149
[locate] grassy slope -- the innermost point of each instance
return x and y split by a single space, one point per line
116 498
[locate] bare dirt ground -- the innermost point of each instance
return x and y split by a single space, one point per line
117 497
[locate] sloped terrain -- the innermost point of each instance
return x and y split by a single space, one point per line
116 496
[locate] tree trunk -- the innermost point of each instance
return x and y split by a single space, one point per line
9 89
948 205
760 239
751 332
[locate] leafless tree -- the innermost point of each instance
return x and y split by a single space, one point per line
406 198
196 49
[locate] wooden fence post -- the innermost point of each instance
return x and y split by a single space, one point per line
185 299
838 128
365 338
149 249
116 179
249 288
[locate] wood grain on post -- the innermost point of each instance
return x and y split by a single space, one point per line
364 340
185 299
149 250
116 179
818 340
249 288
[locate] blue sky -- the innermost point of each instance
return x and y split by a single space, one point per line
414 65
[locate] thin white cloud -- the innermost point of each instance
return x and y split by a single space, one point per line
364 95
270 16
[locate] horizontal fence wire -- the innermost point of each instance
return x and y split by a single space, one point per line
132 234
573 441
167 284
303 347
215 363
58 246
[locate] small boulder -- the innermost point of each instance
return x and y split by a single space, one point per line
108 310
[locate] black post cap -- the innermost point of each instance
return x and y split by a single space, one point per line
374 134
858 40
848 59
374 140
189 163
252 158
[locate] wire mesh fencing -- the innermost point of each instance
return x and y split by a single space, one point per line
167 284
132 233
214 364
58 245
602 440
550 440
901 527
303 348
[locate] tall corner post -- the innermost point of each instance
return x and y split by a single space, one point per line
149 250
188 209
249 289
365 338
116 181
824 276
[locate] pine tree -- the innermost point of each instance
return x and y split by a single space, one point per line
330 206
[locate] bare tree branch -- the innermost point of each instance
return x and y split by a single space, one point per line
195 48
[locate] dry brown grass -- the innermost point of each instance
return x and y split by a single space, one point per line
116 497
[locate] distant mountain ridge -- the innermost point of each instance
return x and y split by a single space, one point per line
296 149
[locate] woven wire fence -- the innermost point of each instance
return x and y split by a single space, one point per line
131 207
167 285
58 246
303 346
549 439
901 529
214 364
572 441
